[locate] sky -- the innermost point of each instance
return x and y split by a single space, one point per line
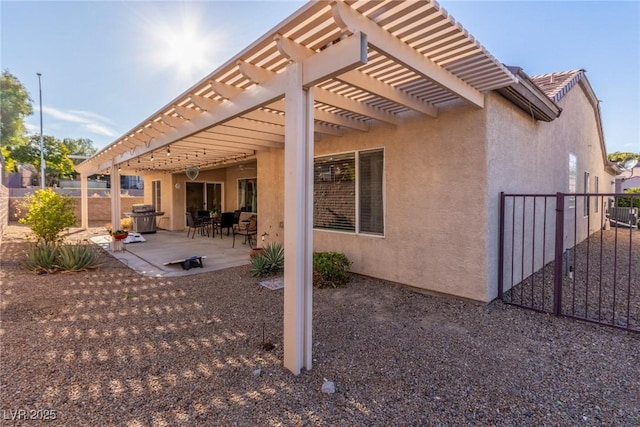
108 65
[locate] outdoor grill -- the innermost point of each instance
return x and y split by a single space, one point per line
144 218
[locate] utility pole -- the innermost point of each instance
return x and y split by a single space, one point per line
41 137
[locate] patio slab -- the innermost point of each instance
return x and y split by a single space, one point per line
148 257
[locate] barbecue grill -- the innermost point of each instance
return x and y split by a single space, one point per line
144 218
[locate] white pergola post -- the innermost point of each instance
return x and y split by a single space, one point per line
298 220
116 245
84 201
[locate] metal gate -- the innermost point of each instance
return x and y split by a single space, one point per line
572 255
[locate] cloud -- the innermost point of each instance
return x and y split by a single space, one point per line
88 121
101 129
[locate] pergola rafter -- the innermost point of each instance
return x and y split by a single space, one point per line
418 58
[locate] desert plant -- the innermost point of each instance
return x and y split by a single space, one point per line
259 266
78 257
41 257
49 214
126 224
270 262
625 201
330 269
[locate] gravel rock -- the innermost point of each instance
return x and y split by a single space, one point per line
328 387
177 351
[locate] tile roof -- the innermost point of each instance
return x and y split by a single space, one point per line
556 85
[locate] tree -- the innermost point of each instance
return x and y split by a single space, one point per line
80 146
621 157
57 163
15 105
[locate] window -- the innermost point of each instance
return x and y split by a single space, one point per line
370 191
348 192
586 198
248 195
156 196
573 178
596 183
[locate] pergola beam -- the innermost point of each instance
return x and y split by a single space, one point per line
394 48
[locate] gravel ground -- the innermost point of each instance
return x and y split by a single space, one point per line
110 347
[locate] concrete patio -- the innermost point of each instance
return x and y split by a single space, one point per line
148 257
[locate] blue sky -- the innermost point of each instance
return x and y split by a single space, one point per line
106 66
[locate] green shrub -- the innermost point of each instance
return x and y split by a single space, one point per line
625 201
270 262
41 257
49 214
78 257
330 269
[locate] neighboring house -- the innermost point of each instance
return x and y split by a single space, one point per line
628 179
415 130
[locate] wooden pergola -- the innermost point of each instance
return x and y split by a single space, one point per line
331 67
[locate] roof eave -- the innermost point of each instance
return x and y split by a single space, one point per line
529 98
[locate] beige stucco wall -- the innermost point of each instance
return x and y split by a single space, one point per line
434 182
434 187
527 156
442 181
173 189
271 195
99 208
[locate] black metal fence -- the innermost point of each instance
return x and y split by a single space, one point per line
573 255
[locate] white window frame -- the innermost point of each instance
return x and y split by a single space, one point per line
156 195
587 185
245 178
357 231
573 179
596 183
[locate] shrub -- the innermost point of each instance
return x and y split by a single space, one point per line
330 269
270 262
49 214
78 257
625 201
126 224
41 257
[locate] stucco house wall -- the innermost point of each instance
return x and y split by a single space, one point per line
442 181
433 191
173 191
537 154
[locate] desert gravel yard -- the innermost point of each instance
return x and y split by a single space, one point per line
111 347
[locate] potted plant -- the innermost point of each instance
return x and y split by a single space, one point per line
120 234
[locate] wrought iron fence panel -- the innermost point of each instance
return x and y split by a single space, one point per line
573 255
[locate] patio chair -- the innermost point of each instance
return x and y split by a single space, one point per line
205 216
236 218
226 222
250 231
193 223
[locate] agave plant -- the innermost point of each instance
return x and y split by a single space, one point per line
274 255
41 257
270 262
78 257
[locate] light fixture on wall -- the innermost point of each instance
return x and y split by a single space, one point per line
168 151
152 157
